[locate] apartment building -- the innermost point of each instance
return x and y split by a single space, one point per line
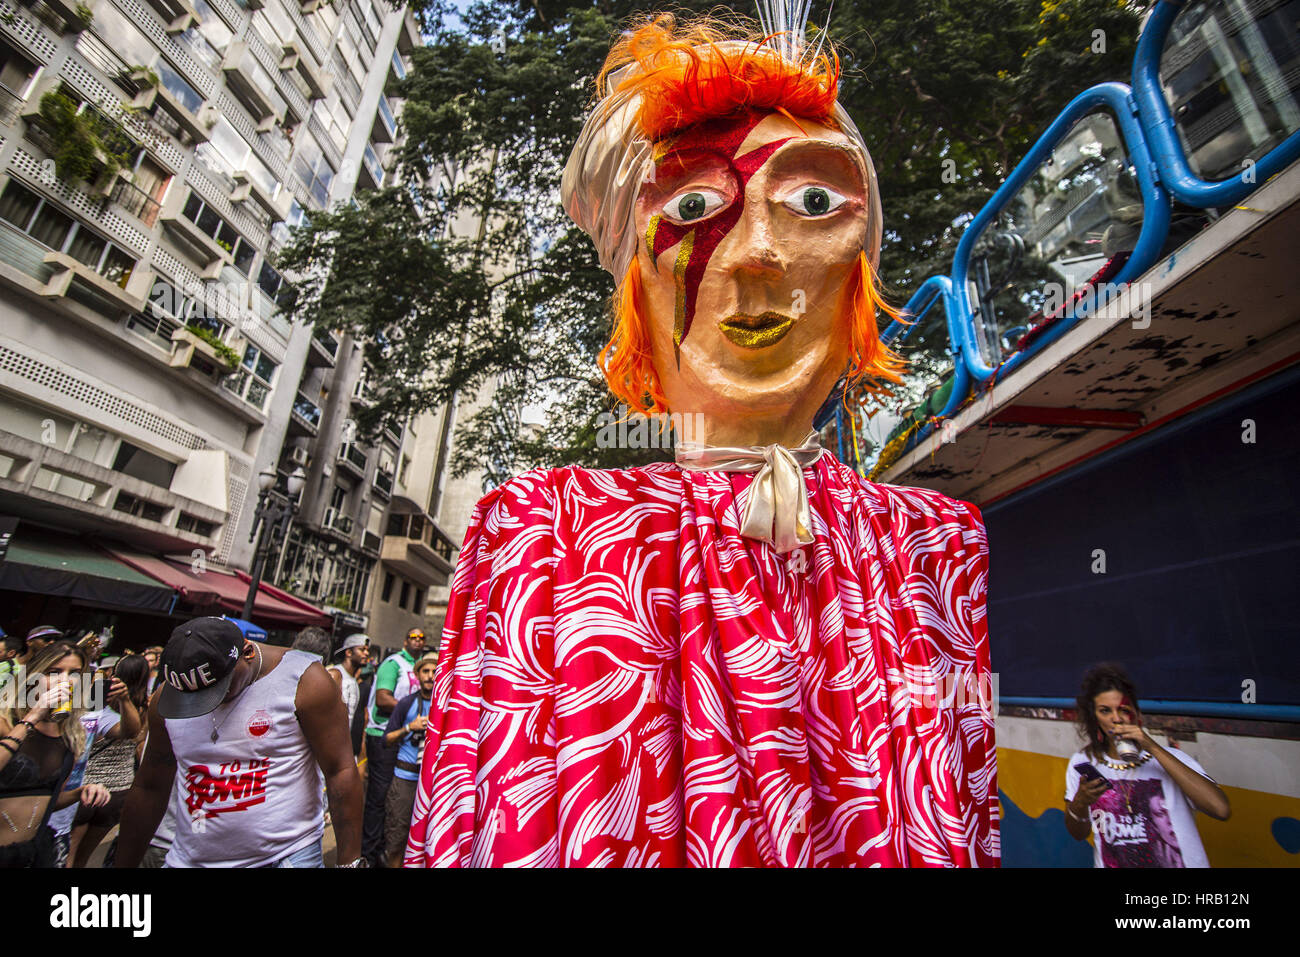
153 154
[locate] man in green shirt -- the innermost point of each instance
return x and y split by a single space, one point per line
393 681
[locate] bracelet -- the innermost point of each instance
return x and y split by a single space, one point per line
358 863
4 743
1069 809
30 724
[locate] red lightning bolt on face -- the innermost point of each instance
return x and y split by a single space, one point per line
700 238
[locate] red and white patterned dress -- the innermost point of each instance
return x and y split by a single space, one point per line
627 681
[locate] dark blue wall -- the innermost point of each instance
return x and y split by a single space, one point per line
1202 539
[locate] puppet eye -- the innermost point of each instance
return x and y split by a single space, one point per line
693 205
813 200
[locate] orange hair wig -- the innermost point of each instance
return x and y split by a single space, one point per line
684 76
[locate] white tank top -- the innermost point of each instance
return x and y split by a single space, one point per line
350 689
252 796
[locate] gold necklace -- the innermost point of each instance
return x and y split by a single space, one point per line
1105 759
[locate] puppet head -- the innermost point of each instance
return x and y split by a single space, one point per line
736 205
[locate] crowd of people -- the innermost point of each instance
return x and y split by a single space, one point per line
215 750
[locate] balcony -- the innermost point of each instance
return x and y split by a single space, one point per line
353 460
247 188
361 394
253 85
68 11
371 169
384 482
177 14
385 128
336 521
305 419
85 495
194 242
418 549
323 350
168 92
113 145
72 279
22 260
396 75
409 37
193 348
11 105
135 201
294 60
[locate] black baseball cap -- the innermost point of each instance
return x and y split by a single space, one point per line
197 666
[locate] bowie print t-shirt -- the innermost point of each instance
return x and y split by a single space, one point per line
1145 819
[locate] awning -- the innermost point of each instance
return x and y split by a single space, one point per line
219 592
48 563
251 631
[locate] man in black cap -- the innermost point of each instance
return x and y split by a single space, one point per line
239 729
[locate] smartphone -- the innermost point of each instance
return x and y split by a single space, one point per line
1089 773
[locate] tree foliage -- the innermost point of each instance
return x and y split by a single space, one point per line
469 276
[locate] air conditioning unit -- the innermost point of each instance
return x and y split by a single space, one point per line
330 514
298 456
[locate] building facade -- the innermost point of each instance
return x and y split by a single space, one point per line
153 156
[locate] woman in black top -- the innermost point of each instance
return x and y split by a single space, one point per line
37 753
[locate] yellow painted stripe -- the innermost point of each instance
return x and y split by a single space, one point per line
1036 782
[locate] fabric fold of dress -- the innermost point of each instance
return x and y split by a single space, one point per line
627 679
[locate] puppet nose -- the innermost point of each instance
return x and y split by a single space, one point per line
752 250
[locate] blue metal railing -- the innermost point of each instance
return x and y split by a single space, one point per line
1113 97
1162 171
1162 137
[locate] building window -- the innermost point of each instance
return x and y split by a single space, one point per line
128 503
52 227
228 152
340 577
169 308
314 169
145 466
210 37
418 605
389 580
280 232
223 234
276 287
189 523
406 594
253 381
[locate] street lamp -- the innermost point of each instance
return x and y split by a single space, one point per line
270 524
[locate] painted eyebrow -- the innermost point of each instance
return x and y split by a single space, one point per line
797 143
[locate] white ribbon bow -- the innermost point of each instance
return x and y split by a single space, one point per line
776 511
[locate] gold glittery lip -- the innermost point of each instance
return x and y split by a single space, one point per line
756 332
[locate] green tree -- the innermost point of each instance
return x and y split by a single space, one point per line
479 280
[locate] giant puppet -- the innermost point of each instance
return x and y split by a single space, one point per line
751 656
